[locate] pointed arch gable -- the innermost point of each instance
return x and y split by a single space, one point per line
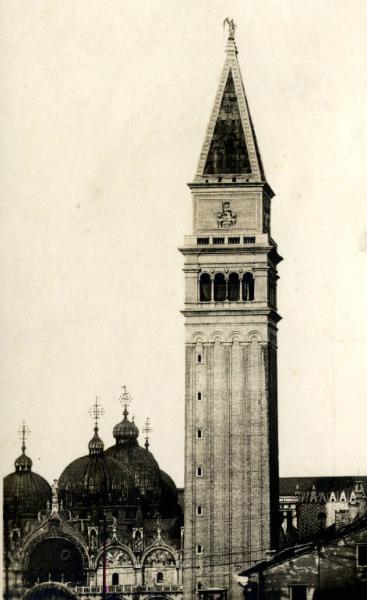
159 547
33 541
116 545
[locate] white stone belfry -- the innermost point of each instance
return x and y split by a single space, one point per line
231 445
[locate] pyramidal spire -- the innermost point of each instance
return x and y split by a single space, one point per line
230 150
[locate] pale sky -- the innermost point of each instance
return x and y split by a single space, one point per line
104 107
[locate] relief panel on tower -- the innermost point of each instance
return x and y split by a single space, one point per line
227 213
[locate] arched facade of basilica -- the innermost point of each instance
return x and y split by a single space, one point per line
111 524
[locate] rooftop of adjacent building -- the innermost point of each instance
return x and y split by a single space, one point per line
292 486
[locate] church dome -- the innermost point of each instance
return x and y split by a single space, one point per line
95 479
168 505
126 431
168 483
141 464
25 492
139 461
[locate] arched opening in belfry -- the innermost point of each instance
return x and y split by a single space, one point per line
248 287
233 287
115 579
205 288
55 559
219 287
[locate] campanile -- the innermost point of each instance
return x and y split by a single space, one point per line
231 443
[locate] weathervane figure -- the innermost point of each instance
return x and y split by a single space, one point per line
231 27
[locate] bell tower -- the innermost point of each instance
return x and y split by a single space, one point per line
231 443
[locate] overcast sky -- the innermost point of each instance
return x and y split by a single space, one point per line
104 107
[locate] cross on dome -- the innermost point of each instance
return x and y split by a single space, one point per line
23 432
23 462
125 400
96 411
147 429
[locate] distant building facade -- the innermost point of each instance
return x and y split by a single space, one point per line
308 505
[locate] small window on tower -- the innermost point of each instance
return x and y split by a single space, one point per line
115 578
199 395
199 549
199 434
199 472
199 511
160 577
199 358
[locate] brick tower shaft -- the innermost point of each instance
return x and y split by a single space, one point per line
231 447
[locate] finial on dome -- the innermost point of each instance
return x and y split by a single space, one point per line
23 432
147 429
23 462
125 400
96 411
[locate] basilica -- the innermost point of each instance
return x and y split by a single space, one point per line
112 521
113 524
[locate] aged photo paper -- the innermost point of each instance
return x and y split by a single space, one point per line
183 306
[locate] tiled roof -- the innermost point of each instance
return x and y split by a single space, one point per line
288 485
328 535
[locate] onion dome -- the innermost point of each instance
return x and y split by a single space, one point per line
25 492
125 431
95 479
140 462
96 445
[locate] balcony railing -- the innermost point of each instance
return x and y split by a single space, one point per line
113 589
